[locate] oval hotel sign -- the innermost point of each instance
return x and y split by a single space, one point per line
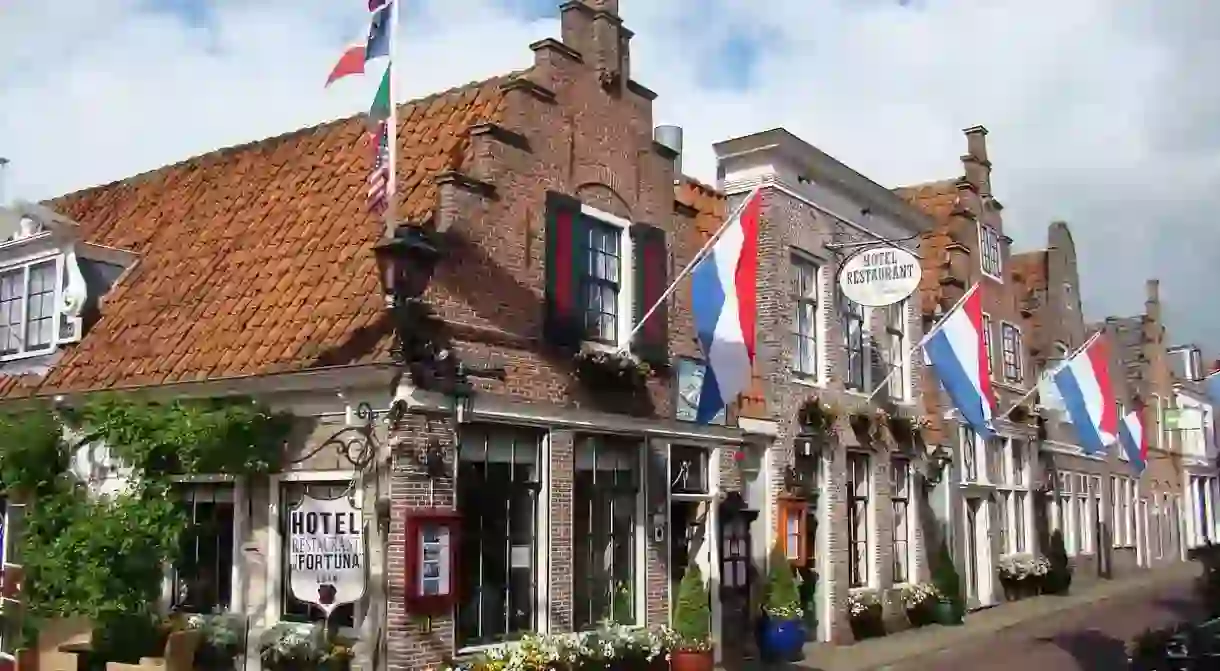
877 277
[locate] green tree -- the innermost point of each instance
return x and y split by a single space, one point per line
783 598
947 580
693 612
1059 578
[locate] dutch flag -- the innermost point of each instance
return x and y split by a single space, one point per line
724 289
957 350
1084 385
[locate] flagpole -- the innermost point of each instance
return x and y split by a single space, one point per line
391 209
686 271
1033 389
935 329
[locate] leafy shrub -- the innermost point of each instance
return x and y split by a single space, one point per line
1058 579
693 612
948 583
783 598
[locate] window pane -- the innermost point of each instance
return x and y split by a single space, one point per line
805 304
203 573
40 320
1019 518
12 293
605 496
987 340
857 523
291 609
602 281
900 470
852 316
497 498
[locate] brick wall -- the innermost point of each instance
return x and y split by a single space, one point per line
411 643
793 226
578 124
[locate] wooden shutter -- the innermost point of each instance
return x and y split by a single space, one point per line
650 267
566 239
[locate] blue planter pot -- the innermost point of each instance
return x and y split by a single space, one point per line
782 640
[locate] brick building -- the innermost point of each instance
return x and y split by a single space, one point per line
1158 498
846 500
1091 494
986 501
251 271
558 226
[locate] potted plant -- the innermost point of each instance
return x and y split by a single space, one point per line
817 416
616 371
782 633
223 640
292 646
692 624
865 614
950 606
861 422
919 601
808 590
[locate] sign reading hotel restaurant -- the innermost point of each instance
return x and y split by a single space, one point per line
326 552
879 276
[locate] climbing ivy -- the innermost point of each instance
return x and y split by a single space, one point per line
103 556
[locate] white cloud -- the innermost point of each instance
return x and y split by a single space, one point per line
1101 113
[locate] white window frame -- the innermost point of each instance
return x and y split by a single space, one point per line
819 321
970 446
626 288
1009 488
989 236
869 565
240 523
989 344
911 519
275 541
900 379
24 266
843 303
1018 343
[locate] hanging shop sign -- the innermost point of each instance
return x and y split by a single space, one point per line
879 276
326 552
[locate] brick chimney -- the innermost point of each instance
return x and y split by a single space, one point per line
975 161
1152 301
594 29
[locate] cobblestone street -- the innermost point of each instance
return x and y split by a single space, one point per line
1089 638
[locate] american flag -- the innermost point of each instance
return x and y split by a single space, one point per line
379 179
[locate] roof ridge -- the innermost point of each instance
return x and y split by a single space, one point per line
287 135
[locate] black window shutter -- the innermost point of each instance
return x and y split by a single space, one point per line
650 265
563 320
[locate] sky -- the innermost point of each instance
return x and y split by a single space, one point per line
1101 113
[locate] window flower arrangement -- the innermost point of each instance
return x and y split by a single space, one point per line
1021 574
919 594
817 415
611 646
291 646
865 614
603 369
223 639
919 601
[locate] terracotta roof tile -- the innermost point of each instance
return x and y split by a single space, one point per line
257 258
936 199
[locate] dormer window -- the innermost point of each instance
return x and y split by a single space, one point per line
50 282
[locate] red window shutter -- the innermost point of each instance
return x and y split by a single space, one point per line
564 316
650 261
